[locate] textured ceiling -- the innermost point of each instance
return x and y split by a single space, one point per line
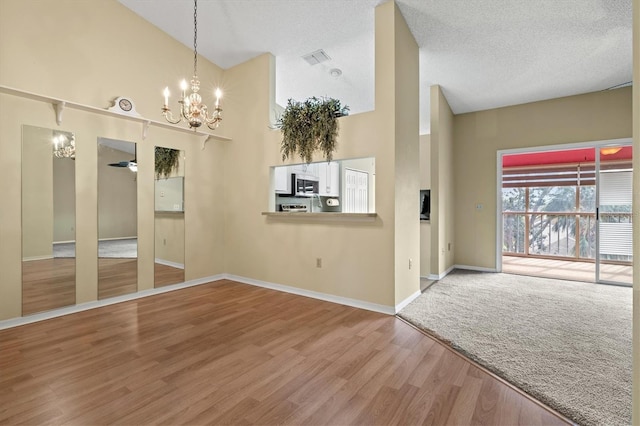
485 53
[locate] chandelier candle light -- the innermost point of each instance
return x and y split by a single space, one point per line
192 109
64 147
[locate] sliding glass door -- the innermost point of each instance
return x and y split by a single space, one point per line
567 213
614 217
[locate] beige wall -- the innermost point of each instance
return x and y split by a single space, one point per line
221 233
443 197
117 195
636 211
479 135
224 230
37 187
169 237
64 200
425 161
169 226
425 226
90 70
48 188
407 160
358 258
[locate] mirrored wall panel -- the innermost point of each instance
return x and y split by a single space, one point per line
117 218
48 219
169 216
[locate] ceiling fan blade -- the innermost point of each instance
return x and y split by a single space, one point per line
131 163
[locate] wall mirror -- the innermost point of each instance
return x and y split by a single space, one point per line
48 219
117 218
169 216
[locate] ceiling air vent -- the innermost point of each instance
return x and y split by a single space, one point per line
316 57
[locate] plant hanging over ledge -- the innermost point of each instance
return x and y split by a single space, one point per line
167 159
309 126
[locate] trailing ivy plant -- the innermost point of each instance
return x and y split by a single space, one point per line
167 159
309 126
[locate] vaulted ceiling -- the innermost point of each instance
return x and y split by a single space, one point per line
484 54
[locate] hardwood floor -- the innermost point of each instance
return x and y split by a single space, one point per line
48 284
231 353
117 276
166 275
51 283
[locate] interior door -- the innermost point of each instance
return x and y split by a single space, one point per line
614 252
356 192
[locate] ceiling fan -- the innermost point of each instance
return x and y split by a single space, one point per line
131 164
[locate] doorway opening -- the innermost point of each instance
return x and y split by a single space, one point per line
566 213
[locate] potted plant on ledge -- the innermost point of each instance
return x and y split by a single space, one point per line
309 126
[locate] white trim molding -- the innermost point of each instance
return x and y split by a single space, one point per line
31 258
475 268
369 306
437 277
384 309
59 105
400 306
169 263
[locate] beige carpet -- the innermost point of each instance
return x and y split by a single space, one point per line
566 343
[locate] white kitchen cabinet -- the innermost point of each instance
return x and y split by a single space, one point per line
329 177
306 171
282 180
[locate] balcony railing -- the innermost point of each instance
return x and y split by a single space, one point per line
560 235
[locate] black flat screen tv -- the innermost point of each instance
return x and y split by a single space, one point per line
425 204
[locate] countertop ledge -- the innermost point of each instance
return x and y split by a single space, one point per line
323 215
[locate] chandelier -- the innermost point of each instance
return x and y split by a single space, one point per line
64 146
192 109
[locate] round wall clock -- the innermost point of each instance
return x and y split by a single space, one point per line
124 105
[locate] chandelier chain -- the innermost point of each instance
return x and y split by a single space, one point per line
192 109
195 37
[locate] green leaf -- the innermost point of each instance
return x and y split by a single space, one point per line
310 126
166 159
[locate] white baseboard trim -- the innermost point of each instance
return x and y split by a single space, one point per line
406 301
437 277
134 237
64 242
169 263
30 258
384 309
15 322
475 268
389 310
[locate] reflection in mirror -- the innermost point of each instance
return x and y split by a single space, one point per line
341 186
48 219
117 218
169 216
